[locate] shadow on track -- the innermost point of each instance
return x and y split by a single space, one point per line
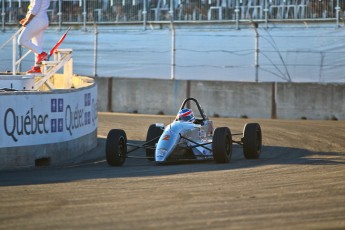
94 166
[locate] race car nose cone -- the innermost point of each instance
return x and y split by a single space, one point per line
160 154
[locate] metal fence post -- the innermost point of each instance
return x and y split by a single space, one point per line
84 15
172 73
237 11
266 14
3 15
60 14
171 11
256 51
95 56
337 8
145 14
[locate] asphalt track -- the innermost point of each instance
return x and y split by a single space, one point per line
298 183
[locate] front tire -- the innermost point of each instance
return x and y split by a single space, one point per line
252 141
116 147
222 145
153 134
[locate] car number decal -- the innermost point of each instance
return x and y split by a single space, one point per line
166 137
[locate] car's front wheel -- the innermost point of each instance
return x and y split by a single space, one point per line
222 145
153 134
252 141
116 147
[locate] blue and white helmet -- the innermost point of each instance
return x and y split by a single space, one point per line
185 115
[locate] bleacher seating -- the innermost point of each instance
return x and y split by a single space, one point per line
100 11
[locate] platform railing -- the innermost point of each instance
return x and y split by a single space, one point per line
13 39
62 59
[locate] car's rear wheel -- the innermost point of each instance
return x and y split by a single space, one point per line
222 145
252 141
152 137
116 147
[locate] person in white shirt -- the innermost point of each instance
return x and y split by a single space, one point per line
31 37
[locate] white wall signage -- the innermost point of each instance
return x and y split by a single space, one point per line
33 119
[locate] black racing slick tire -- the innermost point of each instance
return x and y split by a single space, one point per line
222 145
252 141
116 147
152 137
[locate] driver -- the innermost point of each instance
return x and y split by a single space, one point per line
185 115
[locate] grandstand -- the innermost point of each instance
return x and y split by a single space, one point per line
142 11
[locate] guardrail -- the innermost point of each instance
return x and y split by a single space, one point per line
15 63
142 11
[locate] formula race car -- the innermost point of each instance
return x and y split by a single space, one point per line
188 137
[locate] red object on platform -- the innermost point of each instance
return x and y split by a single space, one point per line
34 69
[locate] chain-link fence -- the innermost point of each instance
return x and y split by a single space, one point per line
291 53
142 11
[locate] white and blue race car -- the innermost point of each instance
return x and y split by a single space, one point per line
186 138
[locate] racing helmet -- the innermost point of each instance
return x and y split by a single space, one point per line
185 115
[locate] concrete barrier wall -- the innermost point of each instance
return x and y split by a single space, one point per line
140 95
226 99
310 100
47 128
46 154
233 99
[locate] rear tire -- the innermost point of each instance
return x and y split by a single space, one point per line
252 141
222 145
152 132
116 147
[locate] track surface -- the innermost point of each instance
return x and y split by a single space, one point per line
298 183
